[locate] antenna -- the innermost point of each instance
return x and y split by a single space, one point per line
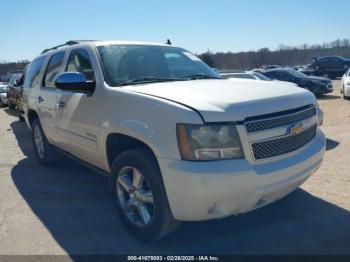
168 42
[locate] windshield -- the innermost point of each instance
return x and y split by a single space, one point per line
133 64
297 74
261 76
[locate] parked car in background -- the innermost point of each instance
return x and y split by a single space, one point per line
253 75
12 90
345 85
306 69
267 67
3 95
245 75
317 85
19 95
331 66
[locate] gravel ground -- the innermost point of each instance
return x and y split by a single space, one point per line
66 209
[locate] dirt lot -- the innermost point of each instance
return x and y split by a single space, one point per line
66 209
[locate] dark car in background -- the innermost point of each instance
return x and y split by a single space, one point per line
317 85
19 95
12 90
245 75
330 66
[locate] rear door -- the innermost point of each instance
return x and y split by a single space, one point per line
46 99
78 113
336 63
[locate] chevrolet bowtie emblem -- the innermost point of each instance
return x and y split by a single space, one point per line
296 129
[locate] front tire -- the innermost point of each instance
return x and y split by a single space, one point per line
45 152
139 196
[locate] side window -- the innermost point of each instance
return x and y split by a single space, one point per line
53 69
79 61
276 75
32 75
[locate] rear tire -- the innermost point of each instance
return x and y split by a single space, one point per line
129 195
45 152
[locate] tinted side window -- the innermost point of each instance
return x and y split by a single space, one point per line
79 61
275 75
32 75
53 69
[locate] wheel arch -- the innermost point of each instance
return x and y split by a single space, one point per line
32 115
117 143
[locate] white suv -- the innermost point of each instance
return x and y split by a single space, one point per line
178 142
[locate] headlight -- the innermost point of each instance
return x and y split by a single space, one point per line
208 142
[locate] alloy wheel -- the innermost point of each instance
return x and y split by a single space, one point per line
135 196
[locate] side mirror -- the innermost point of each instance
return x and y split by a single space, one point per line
74 82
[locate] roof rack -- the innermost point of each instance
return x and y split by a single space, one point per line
70 42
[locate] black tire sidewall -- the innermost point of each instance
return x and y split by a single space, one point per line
150 170
50 157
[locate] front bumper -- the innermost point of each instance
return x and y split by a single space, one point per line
208 190
325 89
347 91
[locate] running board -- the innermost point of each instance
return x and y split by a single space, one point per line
82 162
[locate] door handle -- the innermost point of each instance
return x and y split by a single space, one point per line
61 104
39 99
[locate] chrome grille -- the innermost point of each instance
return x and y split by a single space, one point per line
284 145
283 119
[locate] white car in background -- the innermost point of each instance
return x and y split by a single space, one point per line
3 95
345 84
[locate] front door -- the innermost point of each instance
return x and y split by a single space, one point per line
78 113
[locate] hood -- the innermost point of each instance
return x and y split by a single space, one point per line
323 79
227 100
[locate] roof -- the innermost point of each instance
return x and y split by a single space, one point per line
101 42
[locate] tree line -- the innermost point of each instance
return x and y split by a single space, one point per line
10 66
283 56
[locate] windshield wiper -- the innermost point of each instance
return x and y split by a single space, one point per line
149 79
198 76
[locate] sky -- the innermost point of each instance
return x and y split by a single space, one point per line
29 26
